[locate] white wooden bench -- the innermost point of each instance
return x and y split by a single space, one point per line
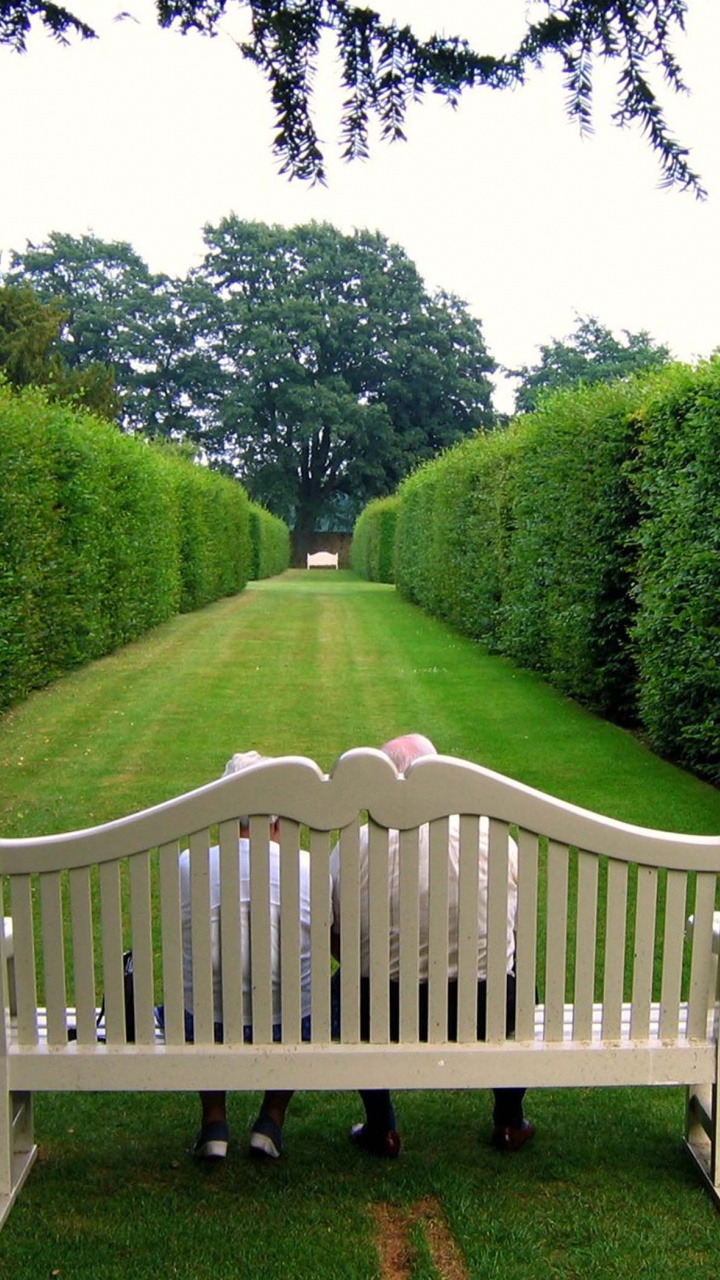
628 994
322 560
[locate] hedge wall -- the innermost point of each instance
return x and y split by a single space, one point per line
584 542
269 543
567 600
677 634
372 550
101 537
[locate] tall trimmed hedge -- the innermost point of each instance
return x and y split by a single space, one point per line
101 537
677 634
372 550
525 539
269 543
584 542
568 604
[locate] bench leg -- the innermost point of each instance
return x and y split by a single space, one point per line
702 1135
17 1146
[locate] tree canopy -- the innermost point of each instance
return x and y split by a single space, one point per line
314 366
384 66
31 353
590 354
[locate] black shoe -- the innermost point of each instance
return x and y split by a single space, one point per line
212 1141
507 1137
384 1143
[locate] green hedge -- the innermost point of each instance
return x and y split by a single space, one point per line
584 542
101 537
372 550
568 604
677 634
269 543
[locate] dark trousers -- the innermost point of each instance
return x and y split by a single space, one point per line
508 1108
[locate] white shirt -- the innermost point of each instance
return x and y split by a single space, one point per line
274 882
423 899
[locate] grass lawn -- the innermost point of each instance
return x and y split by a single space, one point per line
314 663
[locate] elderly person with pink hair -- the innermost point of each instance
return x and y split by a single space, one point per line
378 1133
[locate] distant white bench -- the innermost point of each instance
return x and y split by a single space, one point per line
322 560
628 994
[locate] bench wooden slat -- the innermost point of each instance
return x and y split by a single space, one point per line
379 933
438 899
290 931
468 884
53 945
526 934
23 938
585 943
142 947
701 967
202 938
231 934
320 935
676 911
83 953
171 927
409 853
261 931
112 950
556 938
645 916
615 931
349 895
497 914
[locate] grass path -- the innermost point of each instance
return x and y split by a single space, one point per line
316 663
312 663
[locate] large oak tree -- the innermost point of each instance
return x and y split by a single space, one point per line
314 366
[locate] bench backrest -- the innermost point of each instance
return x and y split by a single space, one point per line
601 907
322 560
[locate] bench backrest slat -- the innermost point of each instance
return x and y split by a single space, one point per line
379 933
320 934
526 934
349 900
556 939
171 944
25 973
615 934
81 915
497 916
290 934
203 1010
586 944
409 941
53 952
701 974
676 912
437 933
112 949
468 884
644 951
142 946
261 931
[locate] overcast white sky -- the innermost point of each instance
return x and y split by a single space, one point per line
146 136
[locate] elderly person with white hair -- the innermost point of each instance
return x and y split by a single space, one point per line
213 1137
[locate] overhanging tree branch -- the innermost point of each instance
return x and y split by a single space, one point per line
384 67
